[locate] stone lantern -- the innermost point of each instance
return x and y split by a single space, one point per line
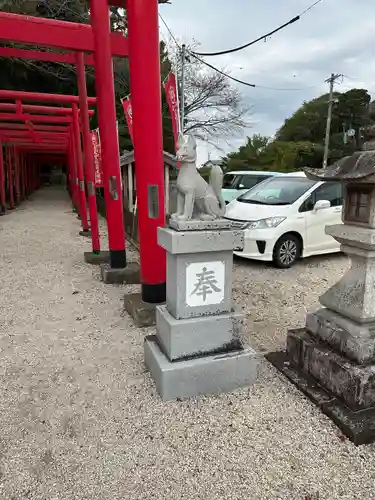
332 359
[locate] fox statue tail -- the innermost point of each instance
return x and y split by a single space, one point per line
216 182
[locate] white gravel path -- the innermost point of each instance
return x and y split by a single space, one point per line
80 418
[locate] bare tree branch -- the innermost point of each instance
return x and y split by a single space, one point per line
213 107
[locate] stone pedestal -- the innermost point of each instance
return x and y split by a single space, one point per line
85 232
129 274
142 313
197 347
332 359
96 259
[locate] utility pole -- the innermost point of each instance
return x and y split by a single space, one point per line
182 100
331 82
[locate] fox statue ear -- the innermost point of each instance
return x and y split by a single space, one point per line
180 140
192 142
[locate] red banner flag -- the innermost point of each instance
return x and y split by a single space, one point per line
95 137
128 110
170 87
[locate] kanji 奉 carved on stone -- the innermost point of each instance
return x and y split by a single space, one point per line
196 198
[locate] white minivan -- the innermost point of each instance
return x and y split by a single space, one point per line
238 182
284 218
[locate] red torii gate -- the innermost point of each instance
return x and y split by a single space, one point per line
145 87
24 136
77 37
145 83
26 176
28 132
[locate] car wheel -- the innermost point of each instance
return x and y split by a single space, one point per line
287 251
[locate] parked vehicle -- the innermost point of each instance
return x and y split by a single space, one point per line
284 218
237 183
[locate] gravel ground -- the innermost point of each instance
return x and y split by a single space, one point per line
80 418
277 299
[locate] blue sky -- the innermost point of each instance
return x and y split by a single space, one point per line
335 36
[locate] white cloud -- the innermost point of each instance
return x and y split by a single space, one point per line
336 36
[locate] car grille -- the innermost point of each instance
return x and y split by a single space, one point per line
238 224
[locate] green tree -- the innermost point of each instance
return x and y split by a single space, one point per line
260 153
308 123
254 148
291 156
300 141
249 156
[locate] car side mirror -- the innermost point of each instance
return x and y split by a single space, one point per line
241 186
321 205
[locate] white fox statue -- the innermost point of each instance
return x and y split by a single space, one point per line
196 199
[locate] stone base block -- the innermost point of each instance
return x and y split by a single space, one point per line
129 274
199 225
354 340
85 232
201 375
353 384
353 295
143 313
185 296
358 426
96 258
197 242
180 338
346 234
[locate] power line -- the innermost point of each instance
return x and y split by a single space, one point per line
309 8
237 80
169 31
222 72
264 37
353 79
236 49
247 83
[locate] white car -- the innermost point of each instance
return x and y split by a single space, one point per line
284 218
238 182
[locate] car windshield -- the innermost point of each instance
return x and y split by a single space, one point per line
230 181
277 191
242 181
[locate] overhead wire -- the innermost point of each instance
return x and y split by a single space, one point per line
247 83
237 80
351 78
241 47
263 37
309 8
169 31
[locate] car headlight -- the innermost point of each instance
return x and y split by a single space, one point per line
265 223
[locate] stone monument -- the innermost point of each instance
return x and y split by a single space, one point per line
332 359
197 348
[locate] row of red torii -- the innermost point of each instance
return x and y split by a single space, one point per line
55 131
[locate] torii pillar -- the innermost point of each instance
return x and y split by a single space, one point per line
145 83
118 270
